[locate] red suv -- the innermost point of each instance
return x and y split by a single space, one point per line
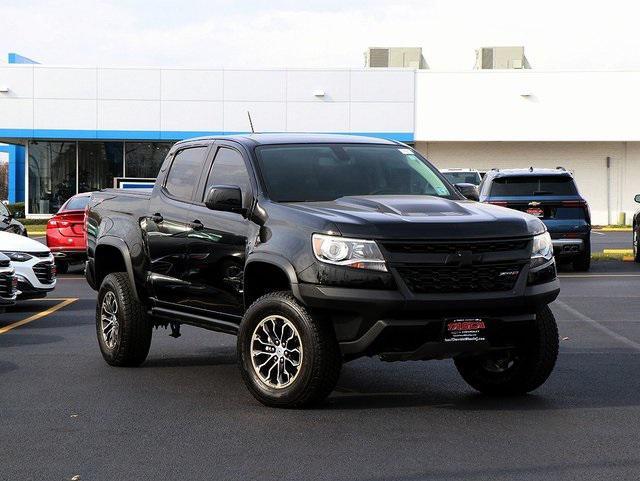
66 236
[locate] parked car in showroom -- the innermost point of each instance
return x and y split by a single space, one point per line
8 222
552 196
316 250
8 283
462 176
33 264
66 235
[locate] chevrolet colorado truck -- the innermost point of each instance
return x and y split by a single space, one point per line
315 250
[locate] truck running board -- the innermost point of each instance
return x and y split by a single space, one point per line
211 324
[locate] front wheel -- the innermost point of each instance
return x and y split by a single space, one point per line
287 357
636 251
519 371
123 329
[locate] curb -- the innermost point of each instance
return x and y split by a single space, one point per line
614 229
620 252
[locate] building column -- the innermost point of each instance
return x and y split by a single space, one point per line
16 173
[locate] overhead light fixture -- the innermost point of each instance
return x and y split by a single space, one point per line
4 89
318 93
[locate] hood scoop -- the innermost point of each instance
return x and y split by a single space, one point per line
406 206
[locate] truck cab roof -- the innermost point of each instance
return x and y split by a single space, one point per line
252 140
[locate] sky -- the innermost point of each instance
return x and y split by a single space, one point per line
557 34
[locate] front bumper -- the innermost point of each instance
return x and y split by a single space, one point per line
36 277
8 287
401 325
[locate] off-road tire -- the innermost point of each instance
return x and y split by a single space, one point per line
320 366
135 329
534 362
582 262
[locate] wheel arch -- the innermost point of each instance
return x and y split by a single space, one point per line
256 282
112 255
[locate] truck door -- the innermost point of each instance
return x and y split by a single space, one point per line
168 224
217 251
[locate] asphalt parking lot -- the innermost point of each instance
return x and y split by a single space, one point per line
601 240
186 414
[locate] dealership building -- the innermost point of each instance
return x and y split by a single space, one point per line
70 129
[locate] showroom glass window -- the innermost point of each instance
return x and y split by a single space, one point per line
52 175
98 164
144 159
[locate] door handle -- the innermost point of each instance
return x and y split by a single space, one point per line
196 225
157 218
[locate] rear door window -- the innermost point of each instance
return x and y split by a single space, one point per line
185 173
528 186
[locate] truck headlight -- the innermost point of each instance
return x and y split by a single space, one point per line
542 250
355 253
17 256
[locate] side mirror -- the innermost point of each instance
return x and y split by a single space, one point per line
637 198
226 198
470 191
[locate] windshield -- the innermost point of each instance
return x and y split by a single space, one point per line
463 177
528 185
321 172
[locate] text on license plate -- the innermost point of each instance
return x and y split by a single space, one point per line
465 330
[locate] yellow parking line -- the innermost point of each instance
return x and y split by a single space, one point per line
65 302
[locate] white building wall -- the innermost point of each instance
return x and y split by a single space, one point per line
587 161
53 98
527 105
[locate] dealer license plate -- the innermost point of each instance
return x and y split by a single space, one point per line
458 330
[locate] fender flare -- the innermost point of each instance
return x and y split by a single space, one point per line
121 245
280 262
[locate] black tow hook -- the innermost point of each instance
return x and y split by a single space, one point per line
175 330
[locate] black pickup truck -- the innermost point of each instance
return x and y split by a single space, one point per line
318 249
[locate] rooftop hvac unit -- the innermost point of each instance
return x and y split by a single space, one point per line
501 58
395 57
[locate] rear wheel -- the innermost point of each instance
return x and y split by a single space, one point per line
123 328
286 357
519 371
582 262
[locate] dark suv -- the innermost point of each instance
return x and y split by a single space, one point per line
552 196
315 250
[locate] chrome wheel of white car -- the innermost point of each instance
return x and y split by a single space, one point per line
276 351
109 319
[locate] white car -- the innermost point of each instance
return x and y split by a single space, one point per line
33 263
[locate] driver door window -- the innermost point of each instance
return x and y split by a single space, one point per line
229 169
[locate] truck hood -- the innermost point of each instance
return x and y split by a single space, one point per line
420 217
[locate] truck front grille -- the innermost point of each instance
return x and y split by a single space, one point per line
449 247
45 272
425 279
